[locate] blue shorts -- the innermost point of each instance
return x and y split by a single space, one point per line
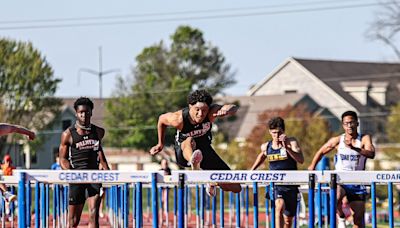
289 195
355 192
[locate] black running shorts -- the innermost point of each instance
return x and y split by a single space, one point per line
289 195
78 193
211 160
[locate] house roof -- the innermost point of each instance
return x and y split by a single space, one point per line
98 111
334 73
251 107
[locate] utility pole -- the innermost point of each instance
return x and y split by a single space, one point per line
99 73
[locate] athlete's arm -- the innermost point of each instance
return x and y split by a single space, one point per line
294 150
103 160
173 119
217 110
261 157
6 128
326 148
367 148
102 157
63 150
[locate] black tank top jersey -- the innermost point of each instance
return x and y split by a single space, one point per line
279 159
200 132
83 153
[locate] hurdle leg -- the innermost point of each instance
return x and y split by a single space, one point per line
390 198
197 207
221 208
333 202
373 204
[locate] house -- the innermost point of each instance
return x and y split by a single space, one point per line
118 158
368 88
251 107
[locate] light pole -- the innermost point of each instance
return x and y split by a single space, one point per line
100 73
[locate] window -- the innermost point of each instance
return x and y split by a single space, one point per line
290 91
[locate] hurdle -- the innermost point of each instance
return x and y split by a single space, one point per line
124 186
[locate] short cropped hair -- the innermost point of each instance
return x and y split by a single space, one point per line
199 96
350 113
83 101
276 122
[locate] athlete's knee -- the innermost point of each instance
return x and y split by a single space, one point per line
189 141
93 214
279 205
288 221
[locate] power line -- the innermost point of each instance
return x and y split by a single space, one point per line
224 16
191 12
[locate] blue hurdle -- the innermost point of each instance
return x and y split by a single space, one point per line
118 195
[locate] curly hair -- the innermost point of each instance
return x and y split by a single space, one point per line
276 122
199 96
83 101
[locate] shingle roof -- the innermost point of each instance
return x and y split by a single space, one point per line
333 73
251 107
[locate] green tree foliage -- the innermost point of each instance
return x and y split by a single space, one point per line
27 85
393 124
160 82
311 132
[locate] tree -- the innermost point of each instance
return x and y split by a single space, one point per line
393 124
393 133
160 82
311 132
386 26
27 85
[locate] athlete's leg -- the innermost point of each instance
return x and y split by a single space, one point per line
288 221
211 161
279 208
190 154
94 199
341 193
74 215
6 194
358 211
94 205
287 196
102 199
76 202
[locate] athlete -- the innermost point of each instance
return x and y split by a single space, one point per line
282 153
193 138
353 149
5 129
80 149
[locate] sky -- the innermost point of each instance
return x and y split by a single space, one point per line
255 36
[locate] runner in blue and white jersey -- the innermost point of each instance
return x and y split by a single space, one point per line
353 149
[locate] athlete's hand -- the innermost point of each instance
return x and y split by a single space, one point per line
311 167
348 142
283 138
31 135
156 149
221 112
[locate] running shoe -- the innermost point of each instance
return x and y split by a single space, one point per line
8 197
196 159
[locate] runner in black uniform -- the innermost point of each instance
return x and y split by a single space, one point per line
282 153
193 139
80 149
